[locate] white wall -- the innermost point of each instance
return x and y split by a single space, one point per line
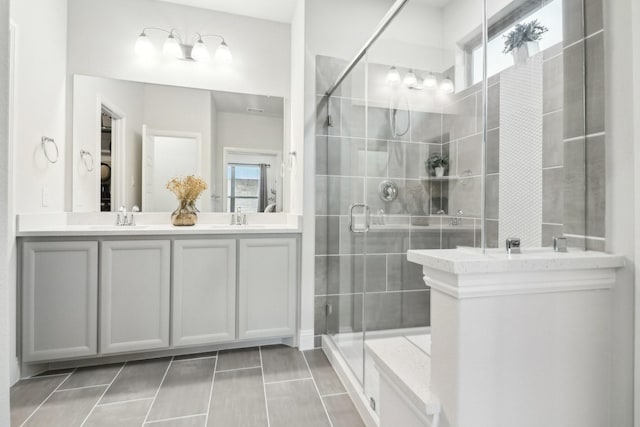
102 36
128 99
175 109
622 183
5 242
38 110
40 101
635 16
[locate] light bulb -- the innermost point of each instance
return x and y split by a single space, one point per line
410 79
200 52
393 76
144 47
447 86
223 54
172 47
430 82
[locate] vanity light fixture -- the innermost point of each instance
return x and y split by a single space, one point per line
175 47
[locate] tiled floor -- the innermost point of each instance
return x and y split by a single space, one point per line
270 386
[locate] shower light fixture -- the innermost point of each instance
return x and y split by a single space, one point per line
447 85
174 47
410 80
393 76
430 82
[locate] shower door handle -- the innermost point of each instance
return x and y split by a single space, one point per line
366 218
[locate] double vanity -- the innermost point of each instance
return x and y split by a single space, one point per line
91 289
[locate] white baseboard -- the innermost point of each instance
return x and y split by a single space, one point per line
306 339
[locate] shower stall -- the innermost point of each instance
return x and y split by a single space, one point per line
433 136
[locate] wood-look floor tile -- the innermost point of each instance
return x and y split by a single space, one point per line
138 380
185 390
295 404
282 363
66 408
198 421
27 395
90 376
238 399
324 375
342 411
238 359
125 414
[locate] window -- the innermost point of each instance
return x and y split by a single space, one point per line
550 15
243 185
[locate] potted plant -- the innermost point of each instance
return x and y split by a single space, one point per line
522 41
438 162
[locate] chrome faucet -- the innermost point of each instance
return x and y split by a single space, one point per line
123 219
238 218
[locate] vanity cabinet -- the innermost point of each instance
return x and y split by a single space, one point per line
267 277
94 297
204 291
134 295
59 300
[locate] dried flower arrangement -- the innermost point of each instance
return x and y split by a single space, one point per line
188 188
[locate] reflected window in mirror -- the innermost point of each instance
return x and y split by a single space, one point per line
252 179
244 184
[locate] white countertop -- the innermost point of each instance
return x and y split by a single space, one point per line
472 261
151 224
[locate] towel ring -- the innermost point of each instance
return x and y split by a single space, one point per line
43 143
84 155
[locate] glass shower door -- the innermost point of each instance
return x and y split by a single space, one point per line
341 218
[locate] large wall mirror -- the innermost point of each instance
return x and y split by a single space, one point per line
136 136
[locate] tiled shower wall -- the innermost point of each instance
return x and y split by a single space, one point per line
583 123
353 156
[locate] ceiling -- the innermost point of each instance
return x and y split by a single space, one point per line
273 10
230 102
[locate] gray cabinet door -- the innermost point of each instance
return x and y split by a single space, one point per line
59 300
267 279
134 295
204 291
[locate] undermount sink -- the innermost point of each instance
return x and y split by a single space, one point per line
115 227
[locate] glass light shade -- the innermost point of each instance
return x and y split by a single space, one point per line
200 52
172 47
447 86
430 82
223 54
144 47
393 76
410 79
